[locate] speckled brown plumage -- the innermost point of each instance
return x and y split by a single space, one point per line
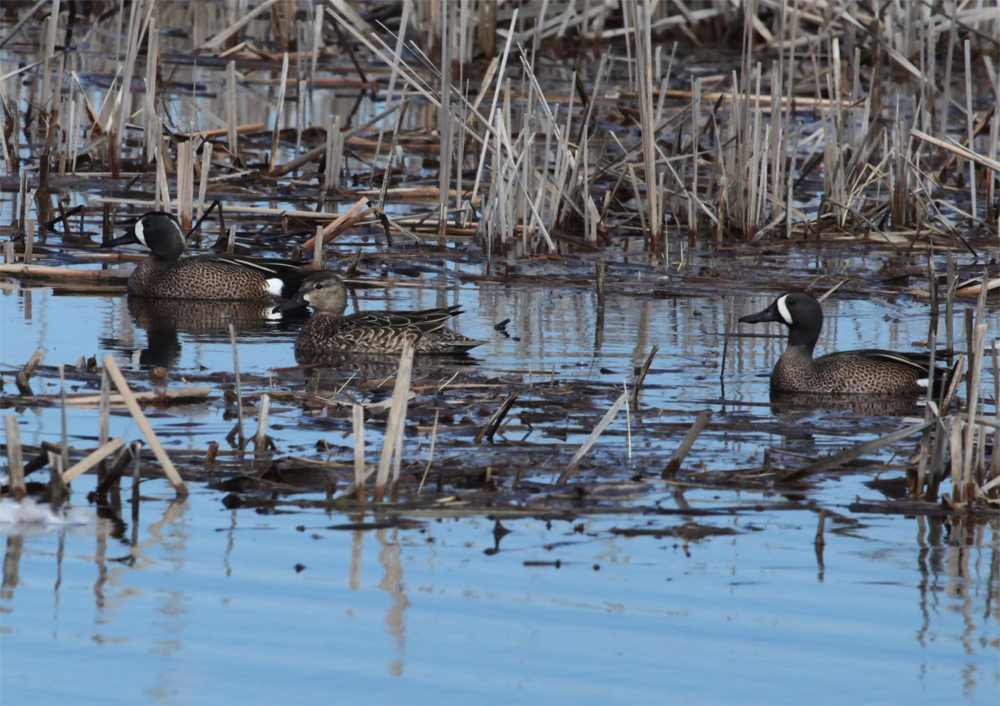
167 275
200 277
862 371
329 334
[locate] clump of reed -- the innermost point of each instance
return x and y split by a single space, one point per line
895 109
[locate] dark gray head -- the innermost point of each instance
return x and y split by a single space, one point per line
323 291
799 311
157 230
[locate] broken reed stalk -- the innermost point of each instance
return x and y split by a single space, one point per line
682 451
334 153
104 423
25 373
177 394
931 413
57 488
232 117
239 387
206 168
279 113
336 223
387 174
318 248
574 464
977 353
397 418
92 459
185 183
260 440
219 39
15 459
64 436
137 414
641 377
955 446
43 271
335 150
430 456
820 526
830 462
136 461
29 240
641 19
114 474
446 118
994 473
490 428
358 417
949 310
600 284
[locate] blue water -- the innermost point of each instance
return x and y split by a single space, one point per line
207 606
213 610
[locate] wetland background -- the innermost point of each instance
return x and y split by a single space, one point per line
605 187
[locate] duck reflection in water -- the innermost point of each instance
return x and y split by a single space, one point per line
164 319
790 402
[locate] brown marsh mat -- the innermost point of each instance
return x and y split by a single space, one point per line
475 427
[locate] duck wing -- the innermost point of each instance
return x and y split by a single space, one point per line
425 321
289 273
920 362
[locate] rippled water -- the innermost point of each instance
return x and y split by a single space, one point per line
216 606
196 603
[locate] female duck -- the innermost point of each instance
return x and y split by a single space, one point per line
167 275
329 333
861 371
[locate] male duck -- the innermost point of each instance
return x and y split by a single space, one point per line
167 275
861 371
328 333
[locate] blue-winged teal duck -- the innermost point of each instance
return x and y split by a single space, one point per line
329 333
167 275
862 371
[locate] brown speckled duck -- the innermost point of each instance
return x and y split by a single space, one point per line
329 333
862 371
167 275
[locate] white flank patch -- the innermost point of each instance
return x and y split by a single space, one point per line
783 309
138 232
922 382
274 286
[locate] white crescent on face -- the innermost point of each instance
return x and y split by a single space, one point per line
138 232
783 309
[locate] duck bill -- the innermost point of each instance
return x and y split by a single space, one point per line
128 239
296 302
771 313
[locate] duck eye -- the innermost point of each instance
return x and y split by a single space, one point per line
318 286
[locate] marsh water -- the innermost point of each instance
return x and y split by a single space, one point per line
484 580
604 601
